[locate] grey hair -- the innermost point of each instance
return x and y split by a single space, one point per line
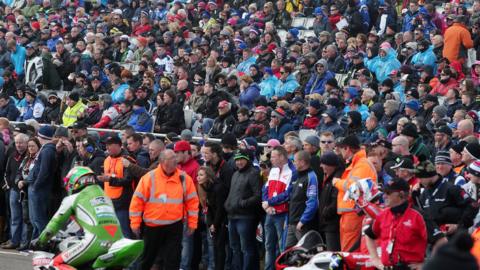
296 142
22 137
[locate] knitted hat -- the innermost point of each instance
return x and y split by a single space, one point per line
413 104
425 169
186 135
473 149
279 113
440 110
273 143
313 140
61 132
455 253
443 157
444 129
474 168
46 132
330 159
242 153
410 130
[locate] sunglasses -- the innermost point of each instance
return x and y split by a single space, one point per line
326 142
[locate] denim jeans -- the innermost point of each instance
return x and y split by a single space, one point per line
243 243
274 231
124 219
38 202
187 249
18 228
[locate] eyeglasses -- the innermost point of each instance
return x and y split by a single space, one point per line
326 142
417 33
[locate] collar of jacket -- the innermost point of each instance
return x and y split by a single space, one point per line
399 209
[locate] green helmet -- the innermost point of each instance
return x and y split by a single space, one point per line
78 178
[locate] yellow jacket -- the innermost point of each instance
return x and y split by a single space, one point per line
71 114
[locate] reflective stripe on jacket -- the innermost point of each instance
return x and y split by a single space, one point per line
71 114
358 169
162 200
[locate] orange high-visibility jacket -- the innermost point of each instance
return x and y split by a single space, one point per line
476 244
113 167
162 200
359 168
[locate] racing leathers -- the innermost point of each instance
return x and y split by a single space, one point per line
94 213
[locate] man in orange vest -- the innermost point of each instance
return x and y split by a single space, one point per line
164 198
117 182
358 167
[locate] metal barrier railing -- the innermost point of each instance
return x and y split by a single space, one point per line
158 135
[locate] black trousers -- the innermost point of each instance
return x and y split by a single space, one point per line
164 242
220 240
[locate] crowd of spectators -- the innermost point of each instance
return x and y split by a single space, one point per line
334 91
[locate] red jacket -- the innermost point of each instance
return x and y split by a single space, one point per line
311 122
408 233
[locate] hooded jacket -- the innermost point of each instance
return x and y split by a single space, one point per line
425 58
383 66
268 86
317 81
288 86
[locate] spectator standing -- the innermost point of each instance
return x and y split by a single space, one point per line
134 147
242 206
41 180
358 168
117 182
400 230
329 220
303 200
17 225
162 188
275 203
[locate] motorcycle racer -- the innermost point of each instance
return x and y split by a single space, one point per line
87 204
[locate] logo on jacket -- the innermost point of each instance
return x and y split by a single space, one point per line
163 198
408 223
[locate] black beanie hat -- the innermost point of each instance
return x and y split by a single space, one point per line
410 130
473 149
454 255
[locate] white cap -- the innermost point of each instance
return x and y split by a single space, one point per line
118 11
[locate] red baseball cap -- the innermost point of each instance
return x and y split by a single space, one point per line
181 146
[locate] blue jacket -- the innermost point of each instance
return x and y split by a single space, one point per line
18 59
10 111
43 172
268 86
383 66
247 97
245 65
34 110
51 43
279 132
426 58
288 86
118 95
142 158
407 24
316 83
140 120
